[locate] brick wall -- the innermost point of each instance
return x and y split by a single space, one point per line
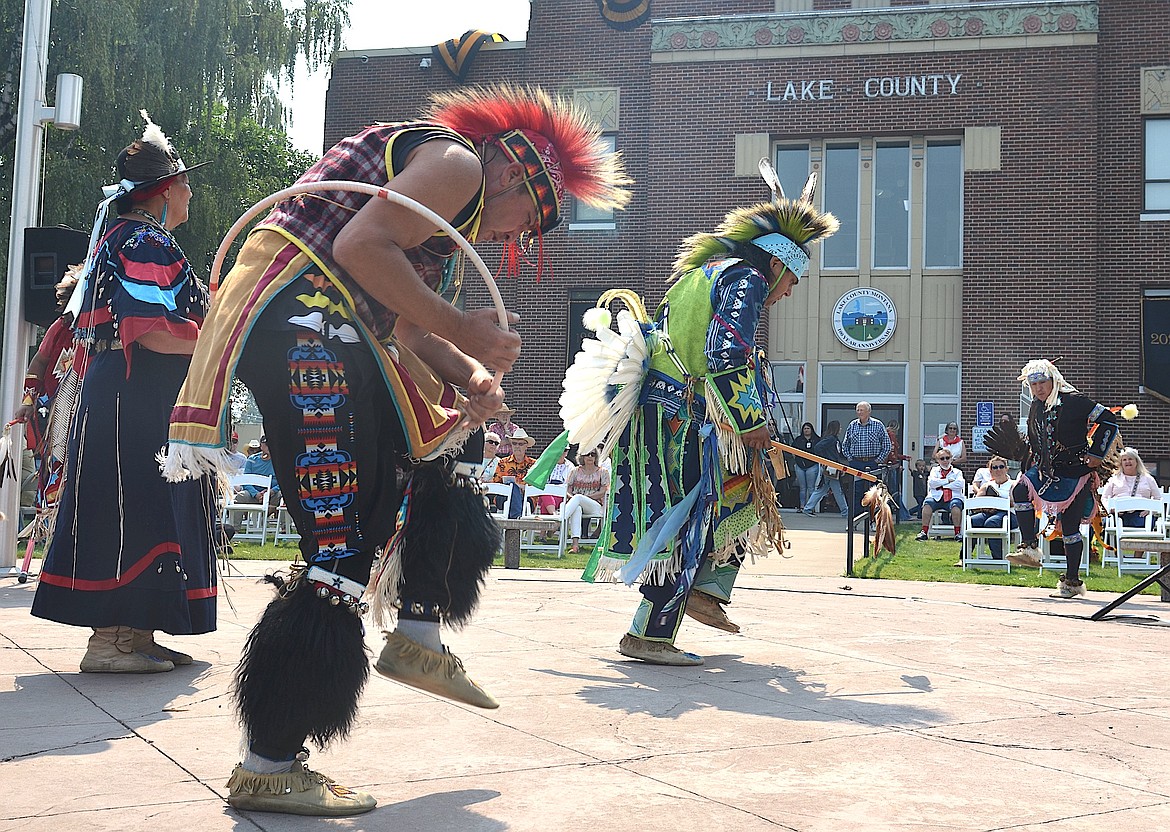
1040 278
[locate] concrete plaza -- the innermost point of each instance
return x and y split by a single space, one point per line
843 705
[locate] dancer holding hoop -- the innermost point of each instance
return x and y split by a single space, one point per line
332 315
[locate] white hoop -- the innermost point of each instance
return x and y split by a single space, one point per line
381 193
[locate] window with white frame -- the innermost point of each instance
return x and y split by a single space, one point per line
788 387
1157 166
792 168
840 188
586 217
891 206
942 216
940 403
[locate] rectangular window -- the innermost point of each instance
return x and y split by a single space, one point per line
586 217
891 206
943 214
840 190
788 385
1157 200
580 301
792 168
868 379
940 403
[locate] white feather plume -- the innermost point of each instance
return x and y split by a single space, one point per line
153 134
602 387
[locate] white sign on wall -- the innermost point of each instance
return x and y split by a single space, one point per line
864 318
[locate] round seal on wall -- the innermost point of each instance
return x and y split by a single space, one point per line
864 319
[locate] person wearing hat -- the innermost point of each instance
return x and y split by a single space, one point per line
504 427
514 467
1069 435
333 316
237 458
692 490
133 554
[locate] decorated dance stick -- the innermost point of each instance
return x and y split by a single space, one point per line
379 192
845 469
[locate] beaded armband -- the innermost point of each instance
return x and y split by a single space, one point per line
738 398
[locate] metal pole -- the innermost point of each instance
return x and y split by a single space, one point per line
26 180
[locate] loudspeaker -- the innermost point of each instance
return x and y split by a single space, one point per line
48 252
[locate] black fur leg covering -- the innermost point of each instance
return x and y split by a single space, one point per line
449 544
302 671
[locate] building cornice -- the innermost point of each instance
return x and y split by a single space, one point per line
949 28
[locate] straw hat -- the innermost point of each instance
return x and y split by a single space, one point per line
521 436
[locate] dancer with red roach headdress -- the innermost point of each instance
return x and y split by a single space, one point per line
333 317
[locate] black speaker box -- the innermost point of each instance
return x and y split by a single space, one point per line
48 252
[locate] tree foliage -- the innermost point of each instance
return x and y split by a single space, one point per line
208 71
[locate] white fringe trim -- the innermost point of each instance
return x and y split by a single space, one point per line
179 462
382 593
656 572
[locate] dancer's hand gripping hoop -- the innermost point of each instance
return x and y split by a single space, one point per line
379 192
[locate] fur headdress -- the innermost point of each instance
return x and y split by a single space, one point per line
558 145
783 227
1041 369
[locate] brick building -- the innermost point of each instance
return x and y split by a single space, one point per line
1000 169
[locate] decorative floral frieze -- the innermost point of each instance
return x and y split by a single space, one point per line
905 23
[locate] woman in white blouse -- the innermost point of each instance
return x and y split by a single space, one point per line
1132 480
586 487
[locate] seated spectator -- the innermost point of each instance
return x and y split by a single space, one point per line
1132 480
504 427
549 503
513 468
236 459
918 478
1000 485
260 464
586 487
981 478
253 447
953 443
945 489
491 444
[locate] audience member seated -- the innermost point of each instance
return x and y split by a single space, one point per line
514 468
504 427
586 488
953 443
549 503
1132 480
945 489
981 478
259 464
236 459
491 444
1000 485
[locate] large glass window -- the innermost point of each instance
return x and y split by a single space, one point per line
1157 200
841 198
891 206
940 404
585 216
788 387
792 168
865 379
942 219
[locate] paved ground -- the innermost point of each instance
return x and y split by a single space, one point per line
844 705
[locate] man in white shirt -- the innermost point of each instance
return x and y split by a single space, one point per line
945 489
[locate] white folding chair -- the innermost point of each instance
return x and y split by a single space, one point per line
586 522
976 551
255 515
498 489
1055 562
941 524
531 492
1153 528
1108 533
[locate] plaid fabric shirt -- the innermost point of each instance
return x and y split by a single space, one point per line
314 220
869 441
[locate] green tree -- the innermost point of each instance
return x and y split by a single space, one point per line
208 72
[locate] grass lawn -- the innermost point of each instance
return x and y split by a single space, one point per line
916 561
935 560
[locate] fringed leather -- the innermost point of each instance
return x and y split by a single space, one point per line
763 492
300 779
384 592
732 452
180 462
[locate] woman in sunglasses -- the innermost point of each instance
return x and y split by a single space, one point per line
1000 485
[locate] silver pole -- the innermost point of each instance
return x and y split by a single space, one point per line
26 180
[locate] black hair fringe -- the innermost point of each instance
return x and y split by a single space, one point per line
303 668
449 544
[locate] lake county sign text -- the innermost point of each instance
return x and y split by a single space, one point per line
884 86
